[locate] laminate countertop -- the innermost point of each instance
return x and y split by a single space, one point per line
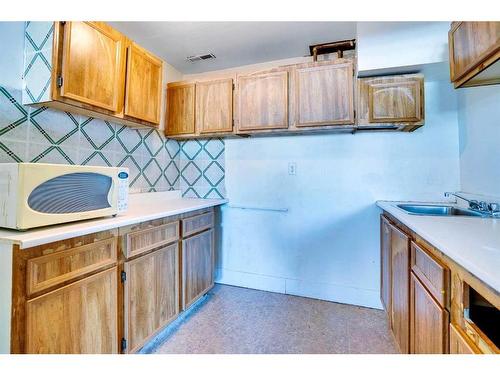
142 207
472 242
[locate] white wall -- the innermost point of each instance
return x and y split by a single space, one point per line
383 45
479 123
327 245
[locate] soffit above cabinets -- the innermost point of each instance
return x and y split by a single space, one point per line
234 43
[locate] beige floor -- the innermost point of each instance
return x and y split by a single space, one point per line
239 320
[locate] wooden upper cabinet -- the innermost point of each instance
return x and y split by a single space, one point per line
214 106
391 100
180 109
428 321
400 288
81 318
262 101
143 85
474 53
92 71
324 94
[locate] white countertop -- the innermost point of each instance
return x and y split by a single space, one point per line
472 242
142 207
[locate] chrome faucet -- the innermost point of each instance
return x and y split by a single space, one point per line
492 208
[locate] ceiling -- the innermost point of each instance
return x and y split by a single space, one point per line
233 43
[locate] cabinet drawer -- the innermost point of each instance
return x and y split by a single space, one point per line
53 269
431 273
143 240
198 223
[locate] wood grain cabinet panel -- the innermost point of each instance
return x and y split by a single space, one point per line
474 48
181 109
151 295
385 264
143 85
262 101
198 223
400 288
198 266
214 106
92 65
460 343
428 321
396 101
434 275
80 318
324 94
53 269
144 240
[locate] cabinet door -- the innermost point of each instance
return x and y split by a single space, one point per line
214 106
93 65
473 46
428 321
198 266
143 85
80 318
324 94
395 100
400 288
385 265
263 101
151 295
180 109
460 343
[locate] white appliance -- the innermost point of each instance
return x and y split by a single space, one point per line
35 194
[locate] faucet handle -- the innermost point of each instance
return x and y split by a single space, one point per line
494 207
483 206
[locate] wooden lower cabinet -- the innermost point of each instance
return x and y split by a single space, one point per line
400 288
460 343
198 266
151 295
428 321
78 318
385 265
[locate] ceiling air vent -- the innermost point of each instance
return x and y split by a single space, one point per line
196 58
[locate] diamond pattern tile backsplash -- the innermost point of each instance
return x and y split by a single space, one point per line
45 135
202 168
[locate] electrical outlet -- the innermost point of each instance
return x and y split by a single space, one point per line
292 168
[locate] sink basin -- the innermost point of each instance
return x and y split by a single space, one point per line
433 210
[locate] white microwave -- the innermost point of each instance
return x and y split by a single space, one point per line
35 194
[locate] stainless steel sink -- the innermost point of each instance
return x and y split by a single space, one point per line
438 210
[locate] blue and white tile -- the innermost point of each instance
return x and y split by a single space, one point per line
13 116
13 151
56 126
97 134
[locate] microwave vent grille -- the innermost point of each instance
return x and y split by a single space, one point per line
71 193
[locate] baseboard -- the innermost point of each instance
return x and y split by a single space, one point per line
324 291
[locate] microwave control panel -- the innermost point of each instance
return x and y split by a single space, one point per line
122 190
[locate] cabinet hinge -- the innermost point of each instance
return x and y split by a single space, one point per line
233 121
123 345
234 86
59 81
123 276
63 23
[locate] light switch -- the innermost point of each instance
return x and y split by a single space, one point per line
292 168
